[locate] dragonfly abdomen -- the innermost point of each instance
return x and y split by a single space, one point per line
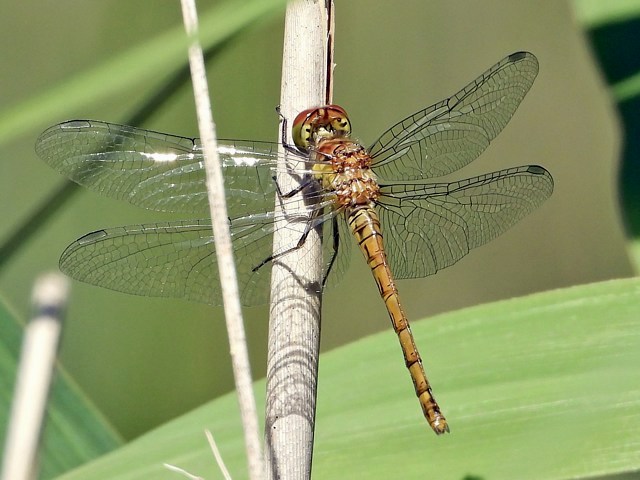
365 226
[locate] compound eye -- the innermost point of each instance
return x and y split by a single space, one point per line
302 127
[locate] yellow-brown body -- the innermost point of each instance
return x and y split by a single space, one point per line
344 167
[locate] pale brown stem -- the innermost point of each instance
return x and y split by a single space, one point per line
224 250
294 327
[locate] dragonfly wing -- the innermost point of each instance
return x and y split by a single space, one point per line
177 259
156 170
449 135
172 259
431 226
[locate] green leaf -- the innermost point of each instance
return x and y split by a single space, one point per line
75 431
540 387
626 89
596 13
612 30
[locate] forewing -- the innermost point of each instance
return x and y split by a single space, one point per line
428 227
156 170
450 134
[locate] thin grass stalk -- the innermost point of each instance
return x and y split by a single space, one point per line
33 380
224 251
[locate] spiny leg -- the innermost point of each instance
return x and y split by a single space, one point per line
283 133
292 218
336 245
307 183
303 238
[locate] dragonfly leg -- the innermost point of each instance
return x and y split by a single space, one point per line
334 254
306 183
283 135
271 258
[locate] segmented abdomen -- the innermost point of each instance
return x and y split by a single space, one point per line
365 226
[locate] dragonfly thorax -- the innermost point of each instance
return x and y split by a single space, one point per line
344 167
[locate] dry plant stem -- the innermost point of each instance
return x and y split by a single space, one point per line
35 371
217 455
182 471
294 327
224 252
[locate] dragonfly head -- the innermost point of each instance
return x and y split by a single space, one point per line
314 124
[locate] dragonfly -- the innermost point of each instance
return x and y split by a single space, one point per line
348 190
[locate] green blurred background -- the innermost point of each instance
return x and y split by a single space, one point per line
144 361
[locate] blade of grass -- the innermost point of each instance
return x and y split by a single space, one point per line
596 13
75 431
20 460
131 67
539 387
